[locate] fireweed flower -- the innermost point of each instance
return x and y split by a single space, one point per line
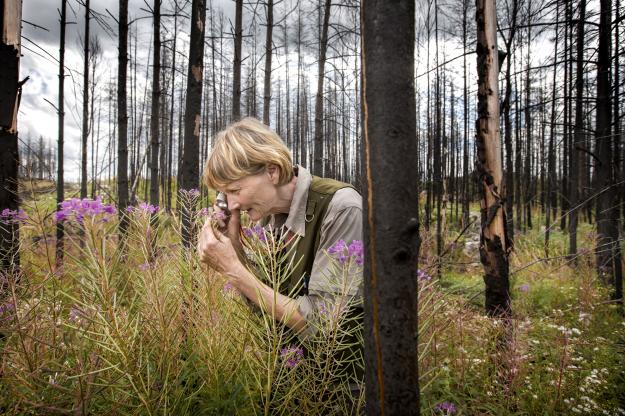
292 356
445 408
145 266
423 276
9 216
148 208
344 253
255 232
228 288
78 209
190 193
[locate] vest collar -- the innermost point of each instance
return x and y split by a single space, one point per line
296 220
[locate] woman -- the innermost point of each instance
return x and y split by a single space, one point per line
252 166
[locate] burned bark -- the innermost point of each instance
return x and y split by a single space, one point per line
391 230
494 244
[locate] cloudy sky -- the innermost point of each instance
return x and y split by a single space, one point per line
40 54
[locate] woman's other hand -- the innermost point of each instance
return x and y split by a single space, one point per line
216 249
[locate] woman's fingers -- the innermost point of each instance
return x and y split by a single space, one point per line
214 247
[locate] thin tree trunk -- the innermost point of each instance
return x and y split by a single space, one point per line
323 47
268 55
156 106
465 141
551 159
60 180
579 132
236 78
85 107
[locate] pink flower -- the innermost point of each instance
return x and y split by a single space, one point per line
344 253
292 356
9 216
148 208
78 209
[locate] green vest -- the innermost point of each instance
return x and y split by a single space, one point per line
320 194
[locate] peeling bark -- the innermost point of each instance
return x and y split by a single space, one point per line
494 244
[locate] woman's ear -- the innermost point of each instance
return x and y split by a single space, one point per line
274 173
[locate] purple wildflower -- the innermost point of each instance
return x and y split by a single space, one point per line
75 314
255 231
344 253
356 250
204 212
423 276
445 408
524 288
6 310
130 208
228 288
148 208
190 193
10 216
78 209
292 356
7 307
337 248
145 266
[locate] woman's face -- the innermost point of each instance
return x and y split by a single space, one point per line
256 194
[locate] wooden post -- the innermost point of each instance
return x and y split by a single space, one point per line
10 91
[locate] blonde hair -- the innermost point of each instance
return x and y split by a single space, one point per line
246 148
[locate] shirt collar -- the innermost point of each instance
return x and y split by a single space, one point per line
296 220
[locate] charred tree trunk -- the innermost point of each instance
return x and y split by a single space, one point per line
465 119
323 47
494 244
156 106
608 251
122 117
10 34
236 68
268 55
60 180
579 132
85 107
391 230
551 158
192 119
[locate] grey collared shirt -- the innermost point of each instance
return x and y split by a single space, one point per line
343 221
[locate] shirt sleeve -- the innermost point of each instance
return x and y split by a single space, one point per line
329 279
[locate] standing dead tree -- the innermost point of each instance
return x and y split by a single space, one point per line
323 48
122 116
391 230
193 114
9 103
60 181
156 105
494 243
85 107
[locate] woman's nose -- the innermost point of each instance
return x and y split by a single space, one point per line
233 202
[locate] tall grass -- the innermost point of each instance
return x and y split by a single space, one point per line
140 328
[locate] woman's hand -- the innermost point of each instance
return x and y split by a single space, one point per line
230 225
216 249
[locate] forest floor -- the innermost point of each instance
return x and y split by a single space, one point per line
144 331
